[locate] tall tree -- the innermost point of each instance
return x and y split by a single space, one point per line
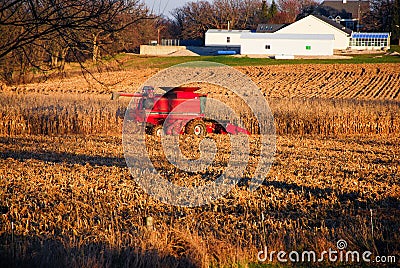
272 11
384 16
34 29
264 12
396 21
308 7
289 9
193 19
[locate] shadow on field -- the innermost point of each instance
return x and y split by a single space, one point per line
28 251
352 197
23 149
68 158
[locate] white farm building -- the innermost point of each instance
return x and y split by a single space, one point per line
313 35
314 24
218 38
310 36
292 44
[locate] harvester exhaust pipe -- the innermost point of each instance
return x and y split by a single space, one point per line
115 95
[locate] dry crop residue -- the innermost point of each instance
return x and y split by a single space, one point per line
68 199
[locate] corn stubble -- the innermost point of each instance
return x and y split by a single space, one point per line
67 197
57 114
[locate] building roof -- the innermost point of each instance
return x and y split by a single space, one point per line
348 10
269 28
227 31
333 23
287 36
370 35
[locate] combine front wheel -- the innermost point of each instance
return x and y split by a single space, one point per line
196 127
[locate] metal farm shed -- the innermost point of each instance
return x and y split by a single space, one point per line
288 44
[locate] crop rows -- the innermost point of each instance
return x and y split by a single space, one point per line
365 82
340 81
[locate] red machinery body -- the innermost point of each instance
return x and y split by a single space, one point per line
179 110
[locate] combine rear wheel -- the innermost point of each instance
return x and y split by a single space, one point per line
196 127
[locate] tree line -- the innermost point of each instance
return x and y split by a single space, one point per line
384 16
194 18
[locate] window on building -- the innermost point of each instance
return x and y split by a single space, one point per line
308 47
228 39
369 39
267 47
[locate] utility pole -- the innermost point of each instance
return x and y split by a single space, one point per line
359 16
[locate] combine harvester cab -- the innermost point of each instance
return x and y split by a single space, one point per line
180 110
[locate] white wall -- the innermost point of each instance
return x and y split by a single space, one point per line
213 38
297 47
313 25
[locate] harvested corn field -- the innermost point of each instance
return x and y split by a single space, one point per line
72 201
67 197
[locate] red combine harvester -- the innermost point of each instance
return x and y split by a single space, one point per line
180 110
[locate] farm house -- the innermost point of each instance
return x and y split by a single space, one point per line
289 44
320 25
218 37
345 12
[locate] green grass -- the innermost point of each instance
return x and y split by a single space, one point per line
395 48
134 61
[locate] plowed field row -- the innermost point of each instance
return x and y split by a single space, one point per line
341 81
367 82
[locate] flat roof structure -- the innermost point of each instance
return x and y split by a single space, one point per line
227 31
287 44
